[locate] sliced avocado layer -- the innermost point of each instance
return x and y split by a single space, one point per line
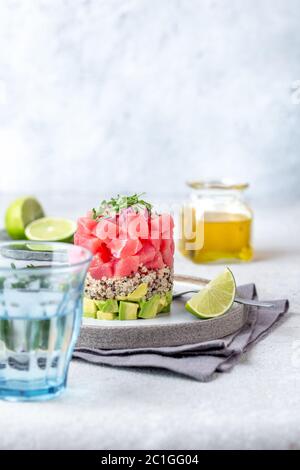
128 308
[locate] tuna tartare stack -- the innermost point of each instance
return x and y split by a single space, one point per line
131 274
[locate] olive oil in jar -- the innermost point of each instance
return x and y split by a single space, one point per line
223 223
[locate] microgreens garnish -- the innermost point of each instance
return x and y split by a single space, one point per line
115 205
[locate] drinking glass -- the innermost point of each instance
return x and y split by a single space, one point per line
41 286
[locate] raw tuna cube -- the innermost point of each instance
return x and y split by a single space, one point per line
126 266
107 229
147 253
91 243
156 263
102 270
85 225
123 248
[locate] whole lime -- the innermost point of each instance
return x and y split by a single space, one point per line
19 214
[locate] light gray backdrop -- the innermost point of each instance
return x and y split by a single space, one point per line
108 96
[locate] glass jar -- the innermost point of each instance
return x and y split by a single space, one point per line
216 223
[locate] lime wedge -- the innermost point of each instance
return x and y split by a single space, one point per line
216 298
19 214
51 229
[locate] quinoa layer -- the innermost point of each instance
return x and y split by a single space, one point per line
159 281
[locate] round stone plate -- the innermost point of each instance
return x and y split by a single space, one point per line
178 327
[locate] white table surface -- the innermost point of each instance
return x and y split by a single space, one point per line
256 405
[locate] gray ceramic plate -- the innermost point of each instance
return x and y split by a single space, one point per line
179 327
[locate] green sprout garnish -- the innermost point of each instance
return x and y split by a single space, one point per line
115 205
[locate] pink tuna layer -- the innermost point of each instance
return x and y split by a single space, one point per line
124 242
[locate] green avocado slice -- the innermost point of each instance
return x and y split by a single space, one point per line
149 308
109 305
138 293
166 308
169 297
128 310
89 308
106 315
162 303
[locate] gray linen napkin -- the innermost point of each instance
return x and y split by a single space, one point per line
198 361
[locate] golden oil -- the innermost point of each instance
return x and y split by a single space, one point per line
224 236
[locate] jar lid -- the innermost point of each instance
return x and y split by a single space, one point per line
217 184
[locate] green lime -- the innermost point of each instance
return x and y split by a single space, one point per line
19 214
216 298
51 229
36 247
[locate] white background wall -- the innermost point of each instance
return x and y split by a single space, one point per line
107 96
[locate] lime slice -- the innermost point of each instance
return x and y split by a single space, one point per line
216 298
19 214
41 247
51 229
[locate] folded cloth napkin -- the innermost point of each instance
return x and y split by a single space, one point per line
202 360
